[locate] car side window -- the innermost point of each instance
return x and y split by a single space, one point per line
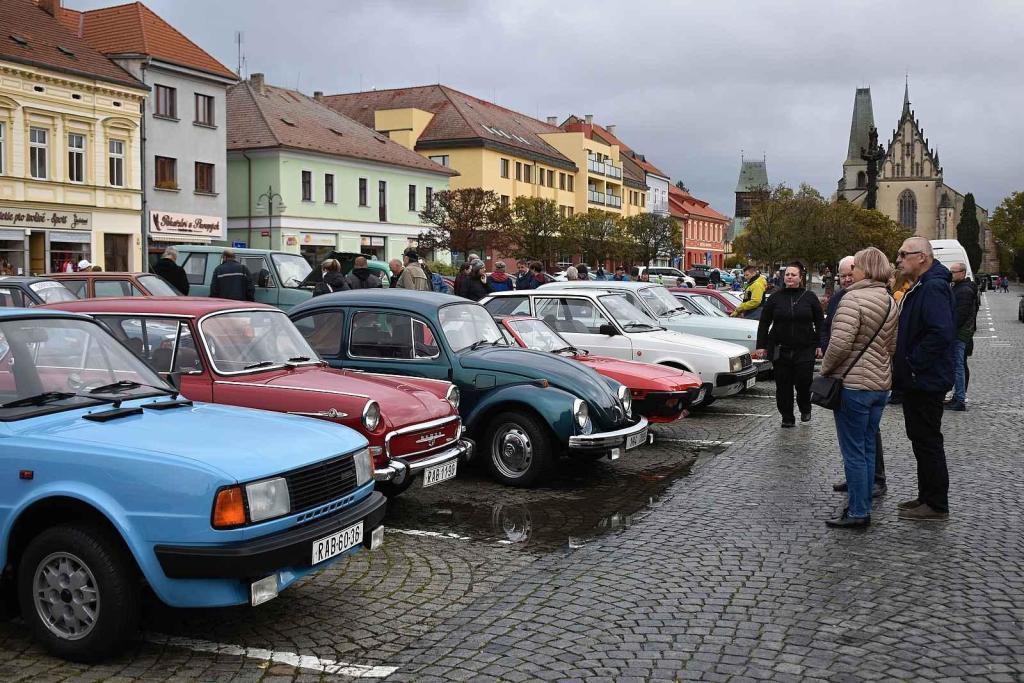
508 305
77 287
195 268
423 340
104 288
388 335
259 270
575 316
323 332
10 298
152 340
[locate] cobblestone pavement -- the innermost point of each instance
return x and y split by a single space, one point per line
703 558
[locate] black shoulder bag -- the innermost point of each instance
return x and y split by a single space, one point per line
827 392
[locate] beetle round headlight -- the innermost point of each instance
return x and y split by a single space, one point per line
371 415
626 400
453 396
580 413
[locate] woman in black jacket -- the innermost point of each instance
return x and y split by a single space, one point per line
789 333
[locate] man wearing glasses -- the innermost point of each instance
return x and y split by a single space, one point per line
923 370
965 297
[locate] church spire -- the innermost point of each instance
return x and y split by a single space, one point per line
860 126
906 96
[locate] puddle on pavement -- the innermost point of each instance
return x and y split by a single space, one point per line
578 505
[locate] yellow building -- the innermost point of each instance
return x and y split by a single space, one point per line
70 141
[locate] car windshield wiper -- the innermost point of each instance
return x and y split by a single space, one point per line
570 349
261 364
50 397
126 384
648 326
299 359
477 344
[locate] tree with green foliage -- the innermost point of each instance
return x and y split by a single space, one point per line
682 186
968 232
595 235
1007 226
464 220
536 230
648 235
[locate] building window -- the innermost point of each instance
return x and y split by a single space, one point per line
166 102
561 181
204 109
412 197
572 182
527 173
307 186
204 177
37 153
166 173
908 209
504 200
2 148
569 212
519 170
76 158
862 179
440 159
362 192
430 197
115 163
551 178
382 201
643 200
504 168
329 188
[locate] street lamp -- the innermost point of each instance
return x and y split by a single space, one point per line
269 200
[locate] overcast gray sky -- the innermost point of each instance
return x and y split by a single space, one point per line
689 84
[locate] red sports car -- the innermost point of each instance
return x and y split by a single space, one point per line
252 355
724 301
660 393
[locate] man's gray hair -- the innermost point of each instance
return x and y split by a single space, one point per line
846 260
171 253
228 252
920 244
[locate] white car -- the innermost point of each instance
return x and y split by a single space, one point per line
605 322
664 275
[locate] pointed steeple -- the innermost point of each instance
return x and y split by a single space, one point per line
860 126
906 97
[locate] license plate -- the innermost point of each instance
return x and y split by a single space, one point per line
638 439
751 382
335 544
438 473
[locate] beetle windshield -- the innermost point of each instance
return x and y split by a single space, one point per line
537 335
292 268
50 364
661 301
631 318
469 326
52 292
242 341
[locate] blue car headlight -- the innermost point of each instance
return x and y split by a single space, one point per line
267 499
364 466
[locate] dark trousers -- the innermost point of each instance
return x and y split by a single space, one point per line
922 411
879 460
792 374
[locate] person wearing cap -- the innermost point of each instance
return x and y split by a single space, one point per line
620 275
473 287
753 294
232 280
84 266
499 280
412 276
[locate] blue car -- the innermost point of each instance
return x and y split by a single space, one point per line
114 482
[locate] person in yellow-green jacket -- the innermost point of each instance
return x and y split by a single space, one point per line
753 294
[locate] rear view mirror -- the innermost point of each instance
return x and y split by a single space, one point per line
608 329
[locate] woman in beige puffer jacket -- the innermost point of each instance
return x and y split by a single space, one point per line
865 308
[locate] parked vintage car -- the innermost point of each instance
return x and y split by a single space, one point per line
22 291
278 275
604 321
251 355
114 482
659 393
723 301
523 407
91 285
699 305
663 307
665 275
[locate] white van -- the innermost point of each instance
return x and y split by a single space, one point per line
948 252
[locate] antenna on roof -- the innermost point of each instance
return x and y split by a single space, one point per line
240 41
439 74
741 156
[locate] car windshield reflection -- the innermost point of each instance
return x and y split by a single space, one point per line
292 268
242 341
537 335
469 326
631 318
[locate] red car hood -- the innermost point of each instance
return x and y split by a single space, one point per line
646 376
402 400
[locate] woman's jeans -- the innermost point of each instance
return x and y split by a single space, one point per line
856 424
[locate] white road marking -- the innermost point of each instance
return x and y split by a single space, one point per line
429 534
310 662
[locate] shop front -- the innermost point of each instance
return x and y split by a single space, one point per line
38 241
168 228
315 247
13 252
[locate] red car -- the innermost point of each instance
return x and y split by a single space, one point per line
724 302
660 393
252 355
91 285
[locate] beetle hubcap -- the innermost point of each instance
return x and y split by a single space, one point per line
512 451
66 596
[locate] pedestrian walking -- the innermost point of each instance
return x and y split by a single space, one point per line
828 282
789 333
412 275
965 300
332 280
499 280
473 287
860 350
361 276
923 369
753 294
167 268
231 279
1006 284
715 279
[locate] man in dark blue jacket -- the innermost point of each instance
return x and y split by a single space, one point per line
923 370
232 280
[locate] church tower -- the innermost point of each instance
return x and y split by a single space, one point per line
853 184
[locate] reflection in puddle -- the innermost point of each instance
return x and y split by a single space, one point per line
570 513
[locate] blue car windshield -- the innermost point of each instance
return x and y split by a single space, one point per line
50 364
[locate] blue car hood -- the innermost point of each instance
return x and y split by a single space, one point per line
240 443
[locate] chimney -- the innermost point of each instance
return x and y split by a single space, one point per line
610 129
258 83
51 7
318 95
590 119
553 120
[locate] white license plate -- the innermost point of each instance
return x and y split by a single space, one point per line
751 382
638 439
335 544
438 473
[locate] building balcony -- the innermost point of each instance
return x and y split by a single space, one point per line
612 200
605 168
595 197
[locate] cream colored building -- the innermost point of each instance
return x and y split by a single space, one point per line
70 140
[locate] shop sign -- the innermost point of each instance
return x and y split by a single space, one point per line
20 217
319 239
186 225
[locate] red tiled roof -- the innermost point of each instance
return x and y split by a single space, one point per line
44 36
287 118
682 203
135 29
575 123
457 117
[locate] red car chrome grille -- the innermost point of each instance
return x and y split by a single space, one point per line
423 438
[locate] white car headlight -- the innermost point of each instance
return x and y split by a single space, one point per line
735 364
364 466
371 415
580 413
626 400
267 499
454 396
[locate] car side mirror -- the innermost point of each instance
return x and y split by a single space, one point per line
608 329
263 279
173 378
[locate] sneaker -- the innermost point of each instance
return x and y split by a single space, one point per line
908 504
805 417
955 405
788 423
846 522
841 487
923 513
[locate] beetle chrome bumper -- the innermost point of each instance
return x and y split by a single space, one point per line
398 469
606 440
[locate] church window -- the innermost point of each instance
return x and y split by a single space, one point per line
862 179
908 209
899 170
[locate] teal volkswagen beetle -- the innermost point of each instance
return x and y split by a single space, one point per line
523 407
